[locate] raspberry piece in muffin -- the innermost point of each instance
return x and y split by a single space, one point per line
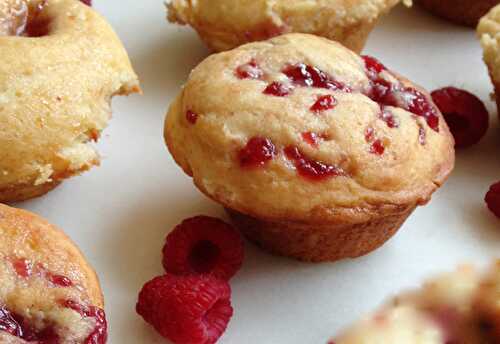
49 294
298 173
203 245
186 309
226 24
459 307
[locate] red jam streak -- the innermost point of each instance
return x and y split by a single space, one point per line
250 70
38 24
389 119
17 326
369 134
311 169
308 76
256 152
311 138
22 266
323 103
377 147
100 333
387 93
277 89
61 281
191 117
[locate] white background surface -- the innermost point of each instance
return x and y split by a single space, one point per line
120 212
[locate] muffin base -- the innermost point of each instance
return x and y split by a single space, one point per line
24 192
463 12
325 242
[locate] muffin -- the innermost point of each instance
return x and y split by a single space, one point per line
459 307
316 152
226 24
60 65
488 32
48 292
464 12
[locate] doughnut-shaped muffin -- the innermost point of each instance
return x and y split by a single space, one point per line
316 152
60 64
226 24
444 310
48 292
488 32
464 12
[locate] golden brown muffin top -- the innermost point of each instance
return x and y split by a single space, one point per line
46 282
299 128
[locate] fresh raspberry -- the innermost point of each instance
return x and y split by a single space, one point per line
492 199
186 309
464 113
203 245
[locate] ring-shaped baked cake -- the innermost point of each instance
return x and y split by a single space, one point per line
60 65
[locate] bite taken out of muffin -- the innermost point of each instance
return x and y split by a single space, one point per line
60 65
316 153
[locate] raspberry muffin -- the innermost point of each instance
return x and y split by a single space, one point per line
316 152
48 292
465 12
488 31
226 24
60 65
460 307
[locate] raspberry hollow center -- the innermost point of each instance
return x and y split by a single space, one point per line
204 256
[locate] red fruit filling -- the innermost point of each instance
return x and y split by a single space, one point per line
203 245
9 324
464 113
99 334
311 138
389 119
369 134
250 70
311 169
492 199
186 309
38 24
257 152
191 117
308 76
387 93
377 147
61 281
18 327
23 267
326 102
87 2
277 89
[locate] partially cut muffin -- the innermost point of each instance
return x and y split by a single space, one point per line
60 65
